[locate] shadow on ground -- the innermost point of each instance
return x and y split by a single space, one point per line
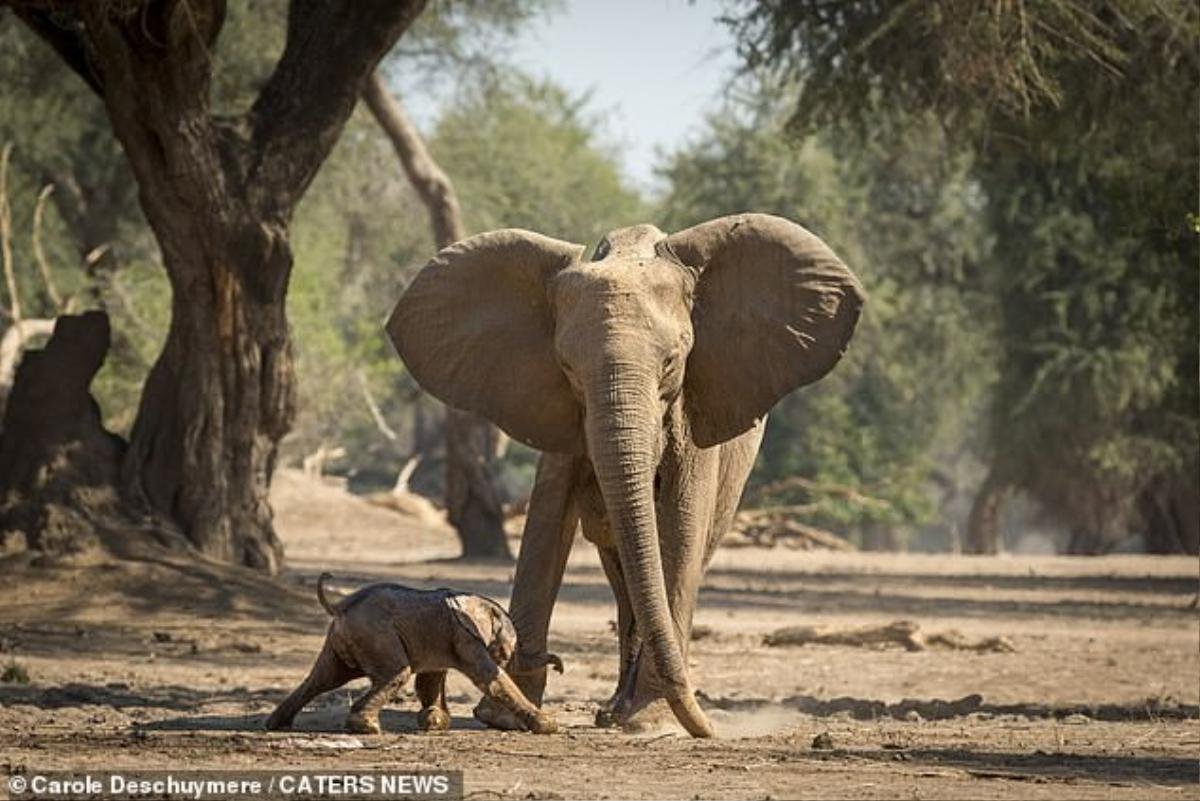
119 696
325 714
328 720
897 594
938 709
1057 767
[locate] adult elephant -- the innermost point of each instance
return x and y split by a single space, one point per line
645 376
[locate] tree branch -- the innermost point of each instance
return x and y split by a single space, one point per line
64 32
425 175
10 278
331 49
373 407
39 255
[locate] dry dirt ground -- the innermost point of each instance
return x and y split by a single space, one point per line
167 663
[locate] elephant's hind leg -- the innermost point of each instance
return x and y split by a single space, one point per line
328 673
387 665
431 692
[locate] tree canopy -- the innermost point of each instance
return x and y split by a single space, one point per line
1079 122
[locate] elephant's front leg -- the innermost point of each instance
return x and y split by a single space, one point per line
613 711
545 546
686 505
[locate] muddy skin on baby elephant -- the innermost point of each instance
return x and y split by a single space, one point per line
645 376
388 633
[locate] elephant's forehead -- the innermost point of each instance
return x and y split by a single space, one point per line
636 240
648 277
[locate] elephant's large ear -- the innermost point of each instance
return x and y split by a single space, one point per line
774 309
475 329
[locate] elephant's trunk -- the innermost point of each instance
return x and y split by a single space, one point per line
622 429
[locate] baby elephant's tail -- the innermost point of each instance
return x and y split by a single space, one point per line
330 608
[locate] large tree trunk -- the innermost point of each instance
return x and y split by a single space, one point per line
219 194
1170 513
216 404
472 501
983 523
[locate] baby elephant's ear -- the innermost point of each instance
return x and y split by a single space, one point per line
774 310
472 615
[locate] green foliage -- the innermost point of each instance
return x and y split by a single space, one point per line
457 38
525 154
60 137
1100 277
960 60
1081 120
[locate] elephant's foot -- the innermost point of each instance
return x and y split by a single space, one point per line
278 723
607 718
649 718
433 718
357 723
494 715
542 723
612 713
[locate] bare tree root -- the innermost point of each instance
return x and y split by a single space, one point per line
904 633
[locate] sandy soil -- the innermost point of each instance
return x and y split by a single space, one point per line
169 663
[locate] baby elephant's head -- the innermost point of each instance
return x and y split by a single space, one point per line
488 620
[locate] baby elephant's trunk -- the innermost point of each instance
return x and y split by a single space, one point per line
330 608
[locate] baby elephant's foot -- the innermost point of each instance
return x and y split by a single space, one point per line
493 714
433 718
361 724
542 723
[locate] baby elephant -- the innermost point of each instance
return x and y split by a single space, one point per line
387 632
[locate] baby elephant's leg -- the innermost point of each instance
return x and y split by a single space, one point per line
431 692
479 667
386 664
328 673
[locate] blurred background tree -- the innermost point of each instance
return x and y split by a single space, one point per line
1080 124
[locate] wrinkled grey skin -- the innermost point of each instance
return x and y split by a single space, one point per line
388 633
645 375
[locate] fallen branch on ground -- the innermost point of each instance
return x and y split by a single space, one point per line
767 528
904 633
